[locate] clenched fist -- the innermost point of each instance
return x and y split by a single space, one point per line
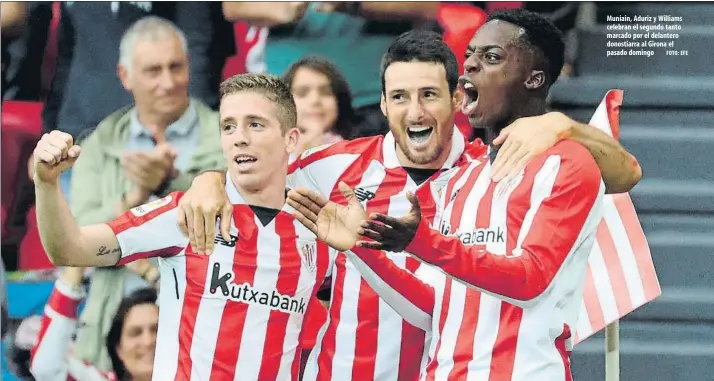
54 154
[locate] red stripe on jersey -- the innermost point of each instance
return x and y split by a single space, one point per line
129 219
639 245
564 354
504 350
196 271
596 315
327 351
434 364
614 268
351 177
410 358
464 350
412 265
287 284
362 146
245 263
368 305
63 304
164 252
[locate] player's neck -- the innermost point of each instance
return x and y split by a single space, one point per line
271 196
532 107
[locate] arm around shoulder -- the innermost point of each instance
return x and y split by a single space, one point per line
620 169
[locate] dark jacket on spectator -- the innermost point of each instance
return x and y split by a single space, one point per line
85 87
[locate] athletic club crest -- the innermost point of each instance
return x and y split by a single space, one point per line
308 254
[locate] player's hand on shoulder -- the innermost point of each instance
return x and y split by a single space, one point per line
204 202
525 139
54 154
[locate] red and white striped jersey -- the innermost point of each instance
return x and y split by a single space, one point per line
50 360
515 253
236 314
364 338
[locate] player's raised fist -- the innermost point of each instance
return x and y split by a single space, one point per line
54 154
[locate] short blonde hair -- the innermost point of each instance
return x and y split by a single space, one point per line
269 86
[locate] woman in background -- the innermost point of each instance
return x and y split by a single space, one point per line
323 100
324 115
131 340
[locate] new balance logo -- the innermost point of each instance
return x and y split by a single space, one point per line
476 236
245 293
219 240
363 194
453 195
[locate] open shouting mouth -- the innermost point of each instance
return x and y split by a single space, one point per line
470 102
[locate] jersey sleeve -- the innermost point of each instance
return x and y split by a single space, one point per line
321 168
150 230
412 297
565 208
49 360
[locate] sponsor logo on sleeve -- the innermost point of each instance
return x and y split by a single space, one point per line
147 208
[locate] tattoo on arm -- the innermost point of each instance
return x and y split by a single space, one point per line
103 250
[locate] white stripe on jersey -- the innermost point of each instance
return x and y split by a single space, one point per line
173 289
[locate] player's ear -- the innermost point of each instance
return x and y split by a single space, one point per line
456 99
383 105
291 139
535 80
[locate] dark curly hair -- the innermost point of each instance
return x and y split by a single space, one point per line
346 118
422 46
138 297
541 36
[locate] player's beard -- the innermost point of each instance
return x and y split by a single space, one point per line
432 153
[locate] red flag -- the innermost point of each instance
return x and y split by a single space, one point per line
621 275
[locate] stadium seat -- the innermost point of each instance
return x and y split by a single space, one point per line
460 22
21 128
